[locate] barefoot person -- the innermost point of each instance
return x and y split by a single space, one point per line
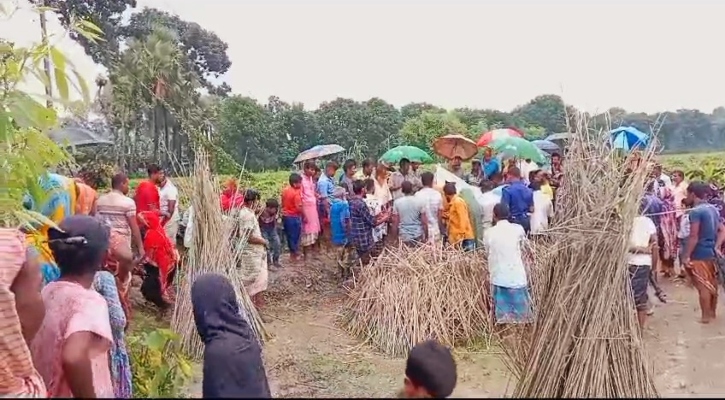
310 216
642 256
292 214
253 259
699 254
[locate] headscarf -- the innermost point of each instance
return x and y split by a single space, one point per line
157 246
86 197
233 364
475 212
231 196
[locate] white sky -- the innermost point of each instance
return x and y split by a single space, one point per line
640 55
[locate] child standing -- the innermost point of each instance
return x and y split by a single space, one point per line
268 226
292 214
429 372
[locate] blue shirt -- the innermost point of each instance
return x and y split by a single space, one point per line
707 216
325 187
339 214
519 198
490 167
653 208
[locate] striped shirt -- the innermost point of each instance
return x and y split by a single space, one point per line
114 208
18 377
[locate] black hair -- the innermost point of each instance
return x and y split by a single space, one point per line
555 155
406 187
118 180
496 176
358 186
501 211
294 178
369 185
426 178
535 186
532 174
309 164
80 250
251 195
332 165
404 160
368 162
515 172
349 163
449 188
153 169
272 203
486 185
700 189
431 366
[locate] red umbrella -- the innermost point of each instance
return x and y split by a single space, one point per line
490 136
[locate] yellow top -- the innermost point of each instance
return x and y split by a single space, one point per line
548 191
459 222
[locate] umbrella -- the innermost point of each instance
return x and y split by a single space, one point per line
547 146
321 150
627 138
411 153
559 137
519 148
490 136
451 146
74 136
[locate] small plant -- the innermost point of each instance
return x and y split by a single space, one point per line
159 369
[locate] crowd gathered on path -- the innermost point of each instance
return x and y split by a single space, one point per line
64 293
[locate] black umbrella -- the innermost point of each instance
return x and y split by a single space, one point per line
74 136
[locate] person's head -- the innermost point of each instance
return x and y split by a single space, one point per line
455 162
358 187
251 198
678 176
381 170
339 193
697 192
513 173
295 180
332 167
272 206
79 247
368 165
216 310
309 168
120 182
476 166
535 186
369 186
501 212
487 185
657 170
349 167
414 165
556 159
511 162
430 371
543 176
649 186
426 179
404 166
316 173
407 188
449 189
536 175
487 153
496 178
156 173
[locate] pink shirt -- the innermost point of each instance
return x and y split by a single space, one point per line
71 308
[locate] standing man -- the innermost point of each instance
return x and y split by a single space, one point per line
403 174
456 168
706 235
147 195
432 201
169 199
476 175
519 199
409 217
460 230
325 191
362 222
490 165
489 199
367 171
348 168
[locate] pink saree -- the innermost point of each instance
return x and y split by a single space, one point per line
311 225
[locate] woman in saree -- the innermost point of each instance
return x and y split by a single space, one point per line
310 216
105 284
160 265
57 202
87 196
668 232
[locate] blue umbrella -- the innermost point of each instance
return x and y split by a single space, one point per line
559 136
321 150
547 146
627 138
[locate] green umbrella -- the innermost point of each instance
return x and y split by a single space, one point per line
519 148
411 153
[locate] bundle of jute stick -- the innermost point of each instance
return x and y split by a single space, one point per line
409 295
586 341
214 250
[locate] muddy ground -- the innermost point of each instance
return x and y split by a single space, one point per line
310 356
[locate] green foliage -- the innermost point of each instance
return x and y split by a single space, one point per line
422 130
159 368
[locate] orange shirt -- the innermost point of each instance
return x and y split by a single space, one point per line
292 202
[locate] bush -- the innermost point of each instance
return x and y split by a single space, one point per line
159 369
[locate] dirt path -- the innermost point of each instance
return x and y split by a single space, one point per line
310 356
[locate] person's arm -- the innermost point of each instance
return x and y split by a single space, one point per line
720 239
106 286
424 222
28 302
693 238
395 183
653 248
395 222
135 231
506 197
94 207
530 200
549 209
76 363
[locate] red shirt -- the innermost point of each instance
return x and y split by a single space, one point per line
292 202
147 197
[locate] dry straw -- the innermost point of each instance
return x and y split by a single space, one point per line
212 251
409 295
585 341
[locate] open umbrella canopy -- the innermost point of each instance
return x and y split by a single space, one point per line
490 136
74 136
321 150
519 148
451 146
411 153
559 137
547 146
627 138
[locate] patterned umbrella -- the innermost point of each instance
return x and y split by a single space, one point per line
490 136
627 138
519 148
547 146
321 150
411 153
451 146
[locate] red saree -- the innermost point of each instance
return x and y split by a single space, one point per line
147 197
160 252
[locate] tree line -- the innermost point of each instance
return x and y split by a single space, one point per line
159 104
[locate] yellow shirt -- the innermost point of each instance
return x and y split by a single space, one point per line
459 222
548 191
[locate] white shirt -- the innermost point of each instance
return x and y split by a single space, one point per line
642 230
166 194
526 168
488 201
375 208
503 244
432 201
543 210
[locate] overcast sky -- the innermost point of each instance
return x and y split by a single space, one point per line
639 55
